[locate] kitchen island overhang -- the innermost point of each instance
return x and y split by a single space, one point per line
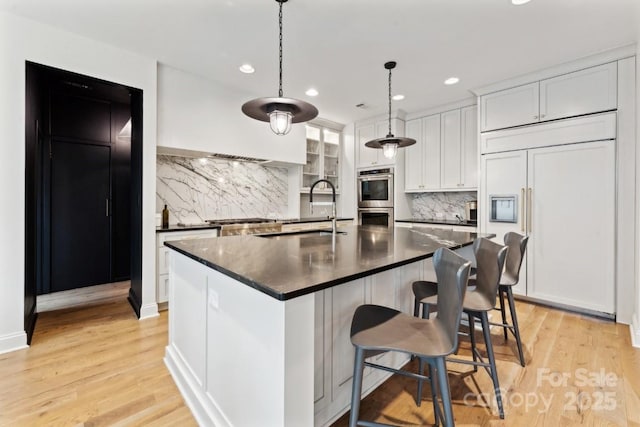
258 326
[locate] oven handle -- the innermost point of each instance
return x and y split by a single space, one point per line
375 178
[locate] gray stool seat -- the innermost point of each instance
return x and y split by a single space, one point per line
376 329
478 301
383 329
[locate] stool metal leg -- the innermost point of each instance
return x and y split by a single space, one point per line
514 322
492 361
472 337
443 382
434 394
502 311
356 390
420 382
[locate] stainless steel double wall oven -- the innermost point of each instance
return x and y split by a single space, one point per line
375 197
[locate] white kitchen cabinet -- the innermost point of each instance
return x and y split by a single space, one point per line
451 150
469 157
565 198
334 353
162 256
303 226
445 156
510 107
367 157
418 225
586 91
581 92
422 160
323 158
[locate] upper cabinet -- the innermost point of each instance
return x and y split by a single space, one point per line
323 157
422 160
368 157
445 156
510 107
582 92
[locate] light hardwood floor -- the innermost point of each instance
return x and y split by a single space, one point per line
92 365
97 365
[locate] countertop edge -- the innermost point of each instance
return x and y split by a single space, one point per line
213 226
437 222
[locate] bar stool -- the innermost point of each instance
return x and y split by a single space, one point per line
490 259
376 329
517 245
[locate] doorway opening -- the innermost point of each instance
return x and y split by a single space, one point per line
83 183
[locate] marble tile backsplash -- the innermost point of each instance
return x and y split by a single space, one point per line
195 190
441 205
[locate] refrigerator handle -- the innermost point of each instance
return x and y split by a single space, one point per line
522 217
529 219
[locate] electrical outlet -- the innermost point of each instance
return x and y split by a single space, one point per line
214 300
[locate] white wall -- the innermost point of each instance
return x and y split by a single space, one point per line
635 325
198 114
22 40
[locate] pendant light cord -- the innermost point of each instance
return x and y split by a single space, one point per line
390 134
280 20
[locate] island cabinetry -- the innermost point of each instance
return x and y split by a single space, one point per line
231 346
581 92
267 320
333 362
162 260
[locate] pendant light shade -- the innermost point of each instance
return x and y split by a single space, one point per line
280 122
390 143
279 111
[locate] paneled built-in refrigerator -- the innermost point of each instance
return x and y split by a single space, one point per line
563 197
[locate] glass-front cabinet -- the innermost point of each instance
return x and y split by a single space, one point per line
323 158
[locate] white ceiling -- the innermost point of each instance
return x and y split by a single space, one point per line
339 46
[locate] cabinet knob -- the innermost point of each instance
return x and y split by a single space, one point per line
535 117
542 116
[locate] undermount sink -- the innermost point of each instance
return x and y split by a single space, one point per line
302 233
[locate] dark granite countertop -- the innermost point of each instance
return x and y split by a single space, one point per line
440 221
291 265
311 219
187 227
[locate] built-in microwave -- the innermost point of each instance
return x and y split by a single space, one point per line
375 188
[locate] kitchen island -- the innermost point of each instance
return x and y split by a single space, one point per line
259 325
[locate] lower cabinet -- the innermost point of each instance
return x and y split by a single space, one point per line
302 226
162 258
334 353
463 228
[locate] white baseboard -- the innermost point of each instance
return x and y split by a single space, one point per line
149 310
12 342
634 328
203 409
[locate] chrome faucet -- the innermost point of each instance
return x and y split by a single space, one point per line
333 200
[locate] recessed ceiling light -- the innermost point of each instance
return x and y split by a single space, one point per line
519 2
247 68
397 97
311 92
451 81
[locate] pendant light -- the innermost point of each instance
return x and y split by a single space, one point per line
280 112
390 143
